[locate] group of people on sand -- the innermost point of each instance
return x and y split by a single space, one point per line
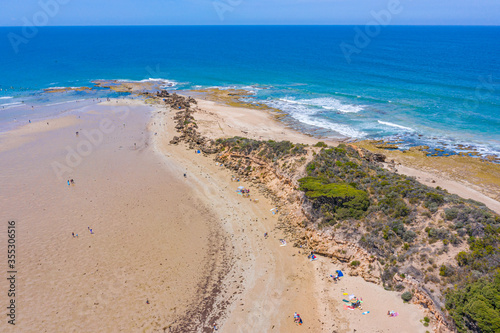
391 313
76 235
356 303
297 319
71 182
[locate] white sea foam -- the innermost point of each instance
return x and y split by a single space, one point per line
342 129
11 104
6 97
65 102
394 125
169 83
306 114
56 88
327 103
250 89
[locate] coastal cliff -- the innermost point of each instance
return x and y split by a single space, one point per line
340 203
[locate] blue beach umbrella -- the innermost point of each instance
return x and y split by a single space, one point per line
339 272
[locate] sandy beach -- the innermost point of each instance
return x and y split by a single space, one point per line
153 239
167 253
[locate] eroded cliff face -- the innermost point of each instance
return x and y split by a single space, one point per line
279 181
276 171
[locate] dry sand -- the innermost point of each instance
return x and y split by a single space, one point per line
190 246
218 120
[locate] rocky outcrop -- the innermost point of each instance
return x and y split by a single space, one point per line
185 122
372 157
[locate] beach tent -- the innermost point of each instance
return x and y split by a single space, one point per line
198 152
241 187
339 273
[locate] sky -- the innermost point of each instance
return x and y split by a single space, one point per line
247 12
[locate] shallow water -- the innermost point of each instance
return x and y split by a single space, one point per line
422 84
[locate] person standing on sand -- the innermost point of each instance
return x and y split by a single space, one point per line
68 183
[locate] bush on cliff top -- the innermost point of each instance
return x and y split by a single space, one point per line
342 200
270 150
476 307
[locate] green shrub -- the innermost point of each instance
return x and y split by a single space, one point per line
451 213
321 144
355 263
407 296
342 199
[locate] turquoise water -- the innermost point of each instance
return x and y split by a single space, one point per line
424 85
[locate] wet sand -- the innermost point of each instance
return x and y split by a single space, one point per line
153 239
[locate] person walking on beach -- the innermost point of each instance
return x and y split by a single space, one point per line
68 183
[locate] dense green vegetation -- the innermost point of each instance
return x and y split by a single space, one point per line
335 200
476 306
390 220
268 150
406 296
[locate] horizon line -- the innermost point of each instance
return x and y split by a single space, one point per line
254 25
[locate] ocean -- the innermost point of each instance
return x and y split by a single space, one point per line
420 85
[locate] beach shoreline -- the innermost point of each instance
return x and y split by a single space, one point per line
150 249
231 276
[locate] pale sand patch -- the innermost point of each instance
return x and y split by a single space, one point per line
30 132
217 120
376 300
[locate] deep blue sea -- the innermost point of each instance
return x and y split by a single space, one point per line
423 85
